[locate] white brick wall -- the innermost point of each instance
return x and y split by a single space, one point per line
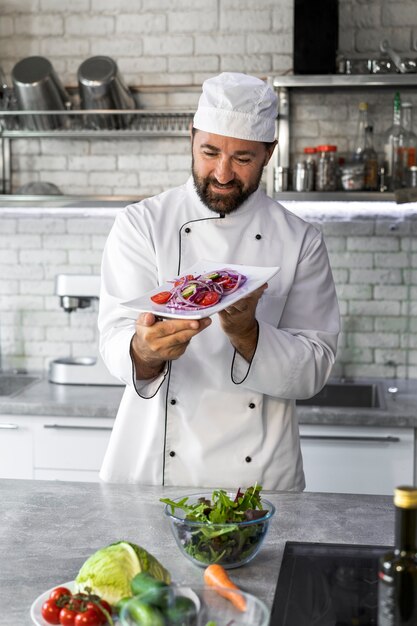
181 42
378 302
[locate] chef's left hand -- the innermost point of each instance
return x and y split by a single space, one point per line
239 323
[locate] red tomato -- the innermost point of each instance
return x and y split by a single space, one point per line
90 617
67 616
183 279
50 611
58 592
161 297
96 607
209 298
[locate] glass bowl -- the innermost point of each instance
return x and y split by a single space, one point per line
179 605
230 545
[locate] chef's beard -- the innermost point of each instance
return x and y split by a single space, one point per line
220 203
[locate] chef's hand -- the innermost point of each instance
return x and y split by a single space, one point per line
156 342
239 323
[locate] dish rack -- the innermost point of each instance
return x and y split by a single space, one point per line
77 123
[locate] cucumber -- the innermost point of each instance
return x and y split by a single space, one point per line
142 613
149 589
182 612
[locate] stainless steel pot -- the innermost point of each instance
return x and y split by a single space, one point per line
38 88
102 87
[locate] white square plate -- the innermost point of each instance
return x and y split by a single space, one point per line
256 276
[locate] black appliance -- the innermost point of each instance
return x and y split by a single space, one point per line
316 36
324 584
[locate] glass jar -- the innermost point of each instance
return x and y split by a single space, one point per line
311 167
326 176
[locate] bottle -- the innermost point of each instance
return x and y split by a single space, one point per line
370 161
397 575
394 142
363 123
326 175
410 136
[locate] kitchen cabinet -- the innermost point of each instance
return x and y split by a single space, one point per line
16 447
285 86
350 459
53 448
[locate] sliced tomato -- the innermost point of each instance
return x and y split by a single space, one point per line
226 283
209 299
161 298
182 280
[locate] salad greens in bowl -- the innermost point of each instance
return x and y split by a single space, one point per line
220 527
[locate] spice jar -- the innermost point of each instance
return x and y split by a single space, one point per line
326 176
311 167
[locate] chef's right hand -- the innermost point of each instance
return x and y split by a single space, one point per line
156 342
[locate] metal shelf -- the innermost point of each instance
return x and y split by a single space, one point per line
335 196
95 123
87 124
281 155
346 80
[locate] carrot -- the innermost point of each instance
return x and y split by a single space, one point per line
216 576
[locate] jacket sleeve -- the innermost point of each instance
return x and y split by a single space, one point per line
128 270
294 360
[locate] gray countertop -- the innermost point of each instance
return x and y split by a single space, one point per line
45 398
48 529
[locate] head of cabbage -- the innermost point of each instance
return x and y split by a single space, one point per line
109 571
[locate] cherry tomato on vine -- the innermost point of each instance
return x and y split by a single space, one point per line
58 592
50 611
67 616
96 606
90 617
161 298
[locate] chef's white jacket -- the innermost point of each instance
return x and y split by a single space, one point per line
211 419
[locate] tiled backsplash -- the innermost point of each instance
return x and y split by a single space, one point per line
374 262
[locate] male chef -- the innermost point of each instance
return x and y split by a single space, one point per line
211 402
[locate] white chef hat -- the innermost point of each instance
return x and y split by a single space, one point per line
237 105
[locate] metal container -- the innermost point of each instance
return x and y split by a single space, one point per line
38 88
102 87
411 176
281 178
300 176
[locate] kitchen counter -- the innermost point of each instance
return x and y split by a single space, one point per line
48 529
45 398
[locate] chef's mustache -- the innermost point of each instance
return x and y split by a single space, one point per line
230 185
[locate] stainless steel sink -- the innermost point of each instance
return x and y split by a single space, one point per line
359 395
12 384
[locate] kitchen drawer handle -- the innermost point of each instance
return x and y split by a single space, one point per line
74 427
9 426
387 439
